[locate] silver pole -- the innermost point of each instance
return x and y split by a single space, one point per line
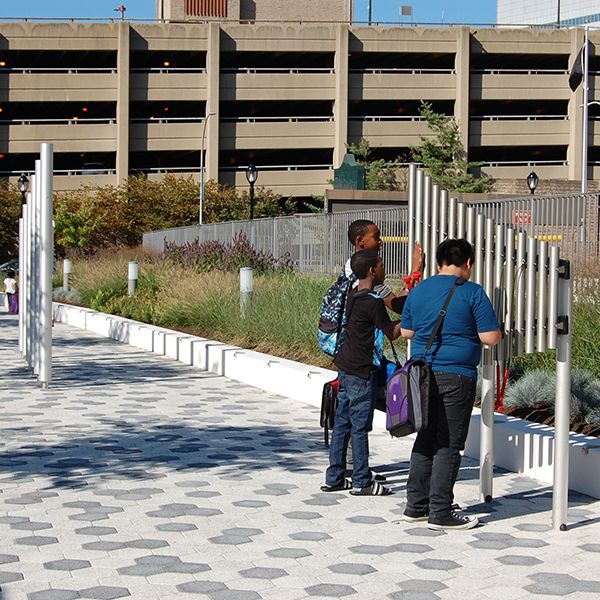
553 297
560 489
461 210
443 216
201 207
427 199
35 263
26 287
584 140
21 280
542 313
412 191
520 285
418 217
530 296
509 286
452 218
67 270
46 262
479 245
471 215
436 229
486 451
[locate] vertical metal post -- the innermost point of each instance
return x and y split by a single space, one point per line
486 450
246 286
552 296
530 296
471 215
132 277
25 287
46 262
460 228
67 269
542 314
435 233
21 278
560 488
35 263
443 216
479 246
412 192
427 198
302 258
509 287
418 217
520 293
452 218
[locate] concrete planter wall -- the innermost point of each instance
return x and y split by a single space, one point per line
519 446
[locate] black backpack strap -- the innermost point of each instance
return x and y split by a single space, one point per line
440 319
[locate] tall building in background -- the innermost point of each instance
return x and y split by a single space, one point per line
255 10
546 12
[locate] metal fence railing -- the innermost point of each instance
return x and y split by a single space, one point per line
318 243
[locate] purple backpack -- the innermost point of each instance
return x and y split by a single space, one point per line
407 396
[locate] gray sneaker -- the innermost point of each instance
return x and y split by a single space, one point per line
453 521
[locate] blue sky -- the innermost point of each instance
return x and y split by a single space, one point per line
463 11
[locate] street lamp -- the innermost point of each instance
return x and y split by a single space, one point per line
202 168
532 181
23 185
251 176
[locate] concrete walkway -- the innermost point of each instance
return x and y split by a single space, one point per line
134 475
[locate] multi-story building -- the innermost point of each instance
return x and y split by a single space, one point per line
122 98
565 13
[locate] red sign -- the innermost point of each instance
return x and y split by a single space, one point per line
522 216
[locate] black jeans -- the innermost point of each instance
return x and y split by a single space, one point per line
435 457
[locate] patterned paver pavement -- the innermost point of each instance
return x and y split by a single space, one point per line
136 476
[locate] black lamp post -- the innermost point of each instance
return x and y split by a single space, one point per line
251 176
23 184
532 181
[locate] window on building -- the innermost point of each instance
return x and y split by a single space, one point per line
205 8
412 61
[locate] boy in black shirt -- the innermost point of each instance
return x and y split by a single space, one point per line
357 360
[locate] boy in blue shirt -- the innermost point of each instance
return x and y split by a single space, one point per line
357 360
470 321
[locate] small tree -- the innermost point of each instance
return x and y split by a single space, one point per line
379 174
444 156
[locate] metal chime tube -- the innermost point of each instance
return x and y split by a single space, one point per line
412 182
552 296
427 200
520 276
542 313
417 222
452 217
435 230
530 296
479 246
461 220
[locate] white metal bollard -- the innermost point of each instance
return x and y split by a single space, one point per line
67 270
246 283
46 263
133 271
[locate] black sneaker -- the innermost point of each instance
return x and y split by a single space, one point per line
414 516
453 521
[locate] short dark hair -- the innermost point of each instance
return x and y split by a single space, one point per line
358 227
454 252
362 261
10 273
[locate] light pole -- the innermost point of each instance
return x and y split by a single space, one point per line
202 168
251 176
23 185
532 182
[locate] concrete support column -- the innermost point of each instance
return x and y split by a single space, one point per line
575 111
123 52
340 106
213 65
462 66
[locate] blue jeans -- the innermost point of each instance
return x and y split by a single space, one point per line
435 457
353 420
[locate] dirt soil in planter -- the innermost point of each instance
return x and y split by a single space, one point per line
545 416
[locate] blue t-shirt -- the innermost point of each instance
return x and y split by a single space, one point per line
457 348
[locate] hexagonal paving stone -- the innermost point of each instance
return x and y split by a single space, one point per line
9 577
54 594
422 585
201 587
288 553
352 568
330 590
263 573
437 565
310 536
8 558
590 547
560 584
36 540
501 541
176 527
367 520
104 592
518 561
96 531
67 564
251 503
302 515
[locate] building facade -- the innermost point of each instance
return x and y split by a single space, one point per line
122 98
567 13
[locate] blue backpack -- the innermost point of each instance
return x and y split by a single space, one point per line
332 317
